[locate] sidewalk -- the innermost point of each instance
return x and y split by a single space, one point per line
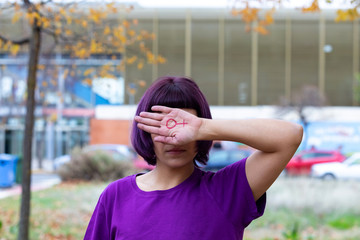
40 179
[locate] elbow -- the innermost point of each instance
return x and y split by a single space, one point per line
297 135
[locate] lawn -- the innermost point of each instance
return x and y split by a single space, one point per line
297 208
61 212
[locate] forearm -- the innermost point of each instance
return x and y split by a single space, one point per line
267 135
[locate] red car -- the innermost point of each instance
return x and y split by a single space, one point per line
301 163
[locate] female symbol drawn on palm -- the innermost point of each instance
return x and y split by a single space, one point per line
171 123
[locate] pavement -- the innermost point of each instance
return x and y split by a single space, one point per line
40 179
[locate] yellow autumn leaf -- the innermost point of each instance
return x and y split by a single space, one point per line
88 71
14 49
58 31
16 17
65 73
87 81
131 33
36 15
341 16
139 38
72 10
140 65
107 30
269 17
150 57
352 14
131 60
84 23
161 59
45 22
142 83
40 67
261 29
314 7
62 11
44 84
68 20
93 46
53 117
30 18
126 24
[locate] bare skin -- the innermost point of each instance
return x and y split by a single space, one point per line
275 140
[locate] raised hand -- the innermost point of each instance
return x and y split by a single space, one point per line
170 125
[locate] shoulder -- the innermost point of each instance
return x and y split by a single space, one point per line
117 189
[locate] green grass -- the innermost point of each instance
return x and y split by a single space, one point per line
297 209
61 212
344 222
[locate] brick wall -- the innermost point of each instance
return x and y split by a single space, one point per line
110 131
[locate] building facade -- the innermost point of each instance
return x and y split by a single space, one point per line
231 66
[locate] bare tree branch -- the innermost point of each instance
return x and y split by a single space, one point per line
19 42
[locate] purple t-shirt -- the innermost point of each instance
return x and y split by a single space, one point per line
206 206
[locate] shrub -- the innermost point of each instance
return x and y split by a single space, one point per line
94 166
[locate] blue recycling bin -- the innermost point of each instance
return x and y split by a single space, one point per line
7 169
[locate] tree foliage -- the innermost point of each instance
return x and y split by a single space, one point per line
260 13
80 30
83 30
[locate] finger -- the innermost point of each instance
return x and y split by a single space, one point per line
148 129
166 140
147 121
155 116
163 109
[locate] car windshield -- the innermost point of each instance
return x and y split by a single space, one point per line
217 155
352 161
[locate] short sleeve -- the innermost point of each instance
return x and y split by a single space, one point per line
231 190
98 226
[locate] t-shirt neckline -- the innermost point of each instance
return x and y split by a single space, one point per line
188 181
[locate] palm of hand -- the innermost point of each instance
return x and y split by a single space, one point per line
178 127
170 125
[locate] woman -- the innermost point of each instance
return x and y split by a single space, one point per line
173 130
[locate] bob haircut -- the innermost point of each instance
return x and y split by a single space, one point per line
174 92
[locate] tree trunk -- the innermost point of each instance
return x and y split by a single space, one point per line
34 49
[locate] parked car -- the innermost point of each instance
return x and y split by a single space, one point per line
116 151
221 158
302 162
349 169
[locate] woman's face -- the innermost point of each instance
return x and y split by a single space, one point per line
175 156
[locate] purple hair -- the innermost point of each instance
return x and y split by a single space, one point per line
175 92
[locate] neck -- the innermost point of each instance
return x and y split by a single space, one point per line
163 178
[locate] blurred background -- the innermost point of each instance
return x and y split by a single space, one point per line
80 67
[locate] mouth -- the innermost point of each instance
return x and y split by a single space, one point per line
175 150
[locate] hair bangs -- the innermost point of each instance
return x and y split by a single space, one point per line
174 97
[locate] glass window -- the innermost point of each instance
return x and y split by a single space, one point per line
339 63
304 54
204 65
271 65
172 46
237 71
319 155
